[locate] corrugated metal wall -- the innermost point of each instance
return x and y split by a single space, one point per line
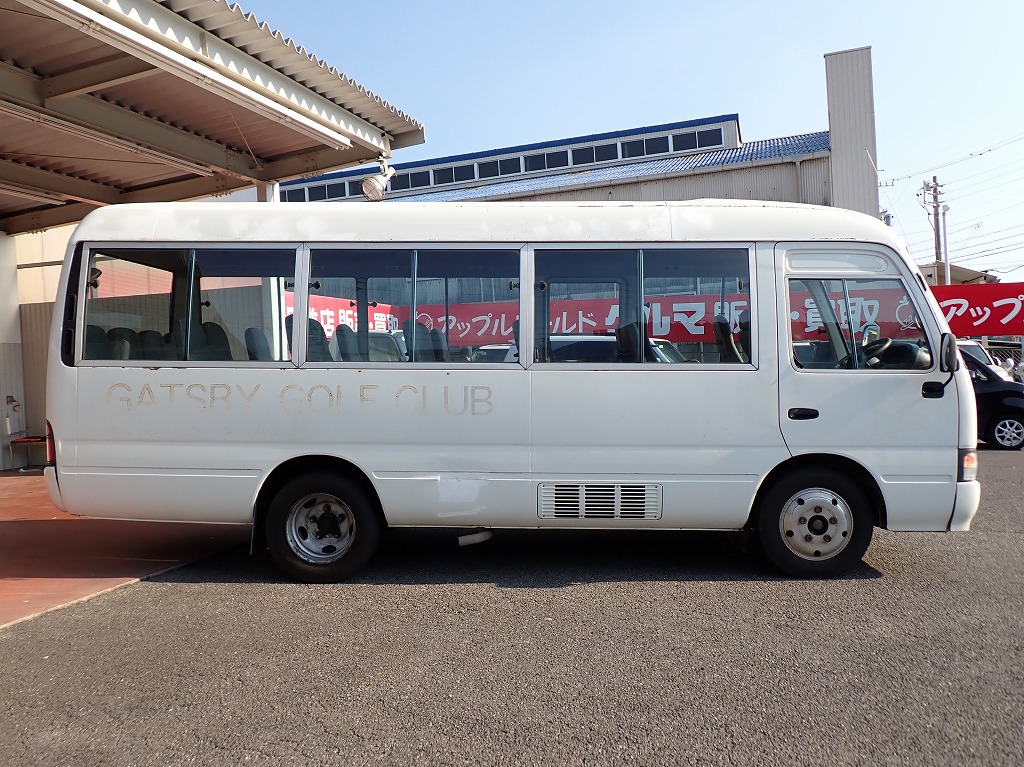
816 182
35 335
13 409
785 181
851 124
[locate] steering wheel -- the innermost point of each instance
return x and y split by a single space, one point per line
867 353
876 347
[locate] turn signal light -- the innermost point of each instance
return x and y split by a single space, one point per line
968 466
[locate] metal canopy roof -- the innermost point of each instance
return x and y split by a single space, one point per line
108 101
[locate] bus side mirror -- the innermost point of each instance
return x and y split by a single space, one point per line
948 359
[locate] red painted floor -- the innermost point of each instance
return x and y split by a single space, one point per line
49 559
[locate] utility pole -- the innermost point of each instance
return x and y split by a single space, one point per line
945 246
933 187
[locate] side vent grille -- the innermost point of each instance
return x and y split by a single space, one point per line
558 501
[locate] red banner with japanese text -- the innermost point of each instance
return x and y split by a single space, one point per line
971 310
983 310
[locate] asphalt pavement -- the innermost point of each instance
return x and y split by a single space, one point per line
544 648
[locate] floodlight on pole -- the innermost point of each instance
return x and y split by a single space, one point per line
375 187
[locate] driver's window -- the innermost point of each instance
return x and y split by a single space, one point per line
865 324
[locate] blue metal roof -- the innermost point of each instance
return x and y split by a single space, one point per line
755 151
457 158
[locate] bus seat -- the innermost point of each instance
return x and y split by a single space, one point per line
628 338
97 345
153 347
288 321
417 340
727 350
744 322
316 343
440 344
217 345
515 335
125 343
348 349
316 339
256 344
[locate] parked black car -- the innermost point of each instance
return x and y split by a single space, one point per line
1000 406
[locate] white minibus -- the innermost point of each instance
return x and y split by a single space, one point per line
804 385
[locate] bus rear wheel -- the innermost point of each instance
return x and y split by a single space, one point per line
814 523
321 528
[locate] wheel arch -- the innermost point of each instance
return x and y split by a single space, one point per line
837 463
305 464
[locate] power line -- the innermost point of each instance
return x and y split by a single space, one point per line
972 155
984 239
1006 169
1018 245
955 194
968 221
983 245
997 270
1009 249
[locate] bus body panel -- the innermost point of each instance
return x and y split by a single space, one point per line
205 425
454 445
160 495
968 497
694 426
505 222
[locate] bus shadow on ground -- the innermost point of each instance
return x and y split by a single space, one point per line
532 559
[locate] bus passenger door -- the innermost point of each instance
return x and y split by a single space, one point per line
855 355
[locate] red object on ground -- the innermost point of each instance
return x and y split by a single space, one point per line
49 559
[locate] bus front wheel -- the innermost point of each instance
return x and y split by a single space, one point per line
814 523
321 528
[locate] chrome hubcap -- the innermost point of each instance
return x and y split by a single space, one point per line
816 523
320 528
1009 433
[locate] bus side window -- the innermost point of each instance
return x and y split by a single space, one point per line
152 304
372 310
694 306
586 300
240 302
697 304
359 298
129 298
467 299
862 324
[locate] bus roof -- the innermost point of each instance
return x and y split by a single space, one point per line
458 222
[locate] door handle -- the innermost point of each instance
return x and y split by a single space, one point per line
802 413
932 389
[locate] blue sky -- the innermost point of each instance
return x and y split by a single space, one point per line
948 80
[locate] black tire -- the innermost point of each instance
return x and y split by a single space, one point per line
814 523
1006 432
311 547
